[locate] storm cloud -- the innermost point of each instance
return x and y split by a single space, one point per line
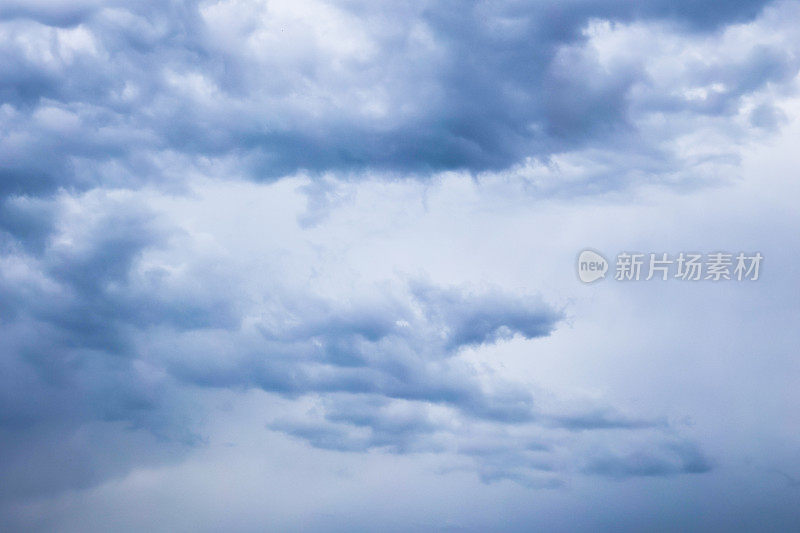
201 199
101 335
111 94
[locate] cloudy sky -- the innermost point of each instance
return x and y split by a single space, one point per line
310 265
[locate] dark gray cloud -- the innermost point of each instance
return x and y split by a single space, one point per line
104 337
73 388
669 458
56 13
395 347
117 94
535 453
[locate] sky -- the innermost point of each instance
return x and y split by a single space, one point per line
310 265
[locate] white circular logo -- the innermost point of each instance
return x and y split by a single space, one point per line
591 266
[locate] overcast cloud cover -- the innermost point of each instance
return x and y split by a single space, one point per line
309 265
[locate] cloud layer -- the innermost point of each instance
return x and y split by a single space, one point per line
120 307
118 95
120 314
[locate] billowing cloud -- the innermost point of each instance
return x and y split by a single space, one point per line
117 315
119 95
124 305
